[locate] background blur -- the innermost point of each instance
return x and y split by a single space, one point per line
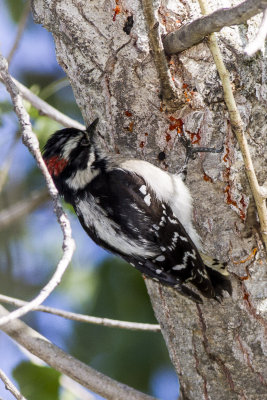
95 283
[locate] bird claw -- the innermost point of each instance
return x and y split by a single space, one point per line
191 153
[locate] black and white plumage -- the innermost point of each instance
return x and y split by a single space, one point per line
133 209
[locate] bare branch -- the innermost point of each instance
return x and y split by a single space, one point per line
45 108
21 27
23 207
237 125
259 40
9 386
192 33
85 318
31 142
68 365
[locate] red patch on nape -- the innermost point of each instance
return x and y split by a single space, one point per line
55 165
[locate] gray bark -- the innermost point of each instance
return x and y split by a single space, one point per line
217 349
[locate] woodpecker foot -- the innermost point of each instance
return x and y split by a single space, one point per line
191 153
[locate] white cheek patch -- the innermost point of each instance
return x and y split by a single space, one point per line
70 145
83 177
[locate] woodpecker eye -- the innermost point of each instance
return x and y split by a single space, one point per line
85 142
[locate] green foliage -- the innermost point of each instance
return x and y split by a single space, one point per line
43 127
5 107
80 285
15 8
46 381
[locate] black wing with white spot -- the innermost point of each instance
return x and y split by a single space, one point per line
166 252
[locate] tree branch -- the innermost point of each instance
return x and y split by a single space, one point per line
192 33
9 386
68 365
45 108
112 323
169 92
31 142
236 122
258 42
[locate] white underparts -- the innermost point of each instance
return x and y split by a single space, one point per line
108 231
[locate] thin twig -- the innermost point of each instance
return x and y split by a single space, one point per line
136 326
30 140
23 207
237 125
9 386
21 27
68 365
45 108
258 42
192 33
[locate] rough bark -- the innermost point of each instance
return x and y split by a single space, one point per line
217 349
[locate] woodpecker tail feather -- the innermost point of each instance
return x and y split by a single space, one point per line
218 274
220 283
214 264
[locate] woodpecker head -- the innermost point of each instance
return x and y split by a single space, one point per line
68 150
70 155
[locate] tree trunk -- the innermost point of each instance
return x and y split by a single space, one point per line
217 349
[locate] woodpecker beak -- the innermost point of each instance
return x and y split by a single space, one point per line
92 127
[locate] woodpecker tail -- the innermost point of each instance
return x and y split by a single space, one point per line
215 264
218 274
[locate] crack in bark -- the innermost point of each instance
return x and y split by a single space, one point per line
172 330
247 359
251 308
205 389
214 357
81 12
